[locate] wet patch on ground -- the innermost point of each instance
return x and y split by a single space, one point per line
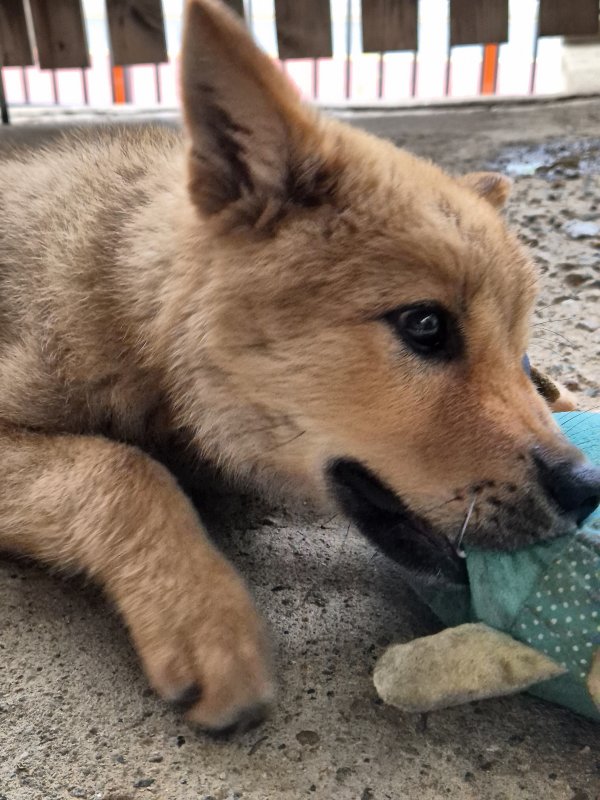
553 160
555 208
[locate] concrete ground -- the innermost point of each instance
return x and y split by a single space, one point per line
76 716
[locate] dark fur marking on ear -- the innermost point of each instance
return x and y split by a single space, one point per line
235 177
221 172
309 184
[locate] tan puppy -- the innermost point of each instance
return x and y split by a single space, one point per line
289 298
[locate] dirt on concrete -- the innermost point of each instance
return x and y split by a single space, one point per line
76 716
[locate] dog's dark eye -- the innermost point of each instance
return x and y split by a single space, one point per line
427 329
424 328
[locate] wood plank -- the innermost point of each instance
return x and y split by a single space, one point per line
59 33
236 5
389 25
15 46
137 31
303 29
481 22
572 18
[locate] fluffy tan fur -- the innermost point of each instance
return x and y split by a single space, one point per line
227 290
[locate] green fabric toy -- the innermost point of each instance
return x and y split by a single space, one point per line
529 619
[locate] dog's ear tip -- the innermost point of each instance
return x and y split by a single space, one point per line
491 186
212 24
205 7
197 11
205 19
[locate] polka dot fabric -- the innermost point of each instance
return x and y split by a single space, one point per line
561 617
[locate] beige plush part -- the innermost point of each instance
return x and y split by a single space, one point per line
469 662
593 680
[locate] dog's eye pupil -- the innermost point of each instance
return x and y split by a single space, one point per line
423 326
423 329
427 329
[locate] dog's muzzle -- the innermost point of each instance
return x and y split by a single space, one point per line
400 533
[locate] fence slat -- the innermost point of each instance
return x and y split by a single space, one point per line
303 29
137 31
59 33
572 18
236 5
482 22
389 25
15 47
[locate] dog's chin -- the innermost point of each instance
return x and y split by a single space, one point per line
386 520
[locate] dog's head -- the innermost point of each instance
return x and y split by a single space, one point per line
365 316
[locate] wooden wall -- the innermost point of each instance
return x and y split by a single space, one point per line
137 27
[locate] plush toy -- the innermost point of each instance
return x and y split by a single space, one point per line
529 619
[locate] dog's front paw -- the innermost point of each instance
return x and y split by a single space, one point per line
202 645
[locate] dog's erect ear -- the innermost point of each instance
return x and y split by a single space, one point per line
253 144
492 186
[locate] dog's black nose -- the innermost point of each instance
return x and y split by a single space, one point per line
574 487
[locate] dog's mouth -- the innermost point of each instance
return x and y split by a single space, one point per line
385 519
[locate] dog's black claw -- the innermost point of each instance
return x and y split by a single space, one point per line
253 717
187 698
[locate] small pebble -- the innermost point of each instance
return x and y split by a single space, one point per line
575 279
308 737
588 325
582 229
342 774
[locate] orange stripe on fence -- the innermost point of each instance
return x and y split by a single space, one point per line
118 81
489 69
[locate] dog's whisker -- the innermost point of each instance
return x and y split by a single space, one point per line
315 583
287 441
550 321
458 544
458 495
560 335
436 507
543 344
544 307
344 540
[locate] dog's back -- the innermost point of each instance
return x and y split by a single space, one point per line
67 344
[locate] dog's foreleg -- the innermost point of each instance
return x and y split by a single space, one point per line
91 504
